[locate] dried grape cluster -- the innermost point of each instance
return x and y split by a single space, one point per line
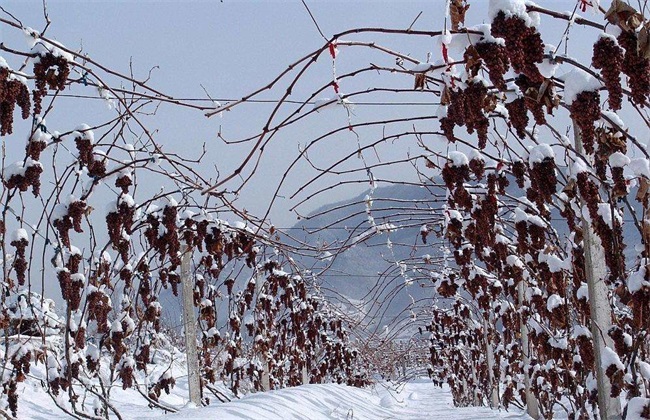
477 166
585 111
34 148
49 71
165 383
523 44
20 263
608 57
28 175
454 178
531 91
71 281
85 147
518 116
98 309
475 118
543 182
119 224
519 172
72 219
124 182
467 107
636 67
126 375
12 92
610 142
496 60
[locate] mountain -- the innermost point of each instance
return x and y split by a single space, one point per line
375 231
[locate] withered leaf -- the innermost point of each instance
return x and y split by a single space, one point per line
643 45
445 96
642 193
570 188
490 103
457 10
472 61
625 16
547 97
420 80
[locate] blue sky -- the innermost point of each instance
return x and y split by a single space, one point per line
231 48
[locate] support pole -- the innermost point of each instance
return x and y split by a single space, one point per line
494 385
266 376
189 322
532 407
600 308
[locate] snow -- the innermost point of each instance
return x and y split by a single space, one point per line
40 136
510 8
618 160
475 154
579 166
43 47
640 167
323 103
583 292
126 199
555 263
384 227
644 370
452 214
458 159
636 281
540 152
520 215
85 132
636 406
419 399
605 211
554 301
514 261
609 357
422 67
18 168
580 330
558 342
577 81
614 118
547 67
20 234
536 220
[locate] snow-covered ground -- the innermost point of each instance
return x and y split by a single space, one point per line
418 399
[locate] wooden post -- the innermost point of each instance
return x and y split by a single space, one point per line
189 322
532 407
600 308
266 376
494 385
476 402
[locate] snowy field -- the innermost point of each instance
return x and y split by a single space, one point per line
416 400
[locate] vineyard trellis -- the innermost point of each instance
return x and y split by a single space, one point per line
534 238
